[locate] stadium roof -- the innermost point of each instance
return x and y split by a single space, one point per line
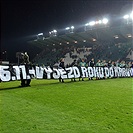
122 33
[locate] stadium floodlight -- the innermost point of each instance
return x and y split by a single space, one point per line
99 21
105 21
92 23
126 16
131 15
116 36
72 27
75 41
40 34
67 28
129 35
93 39
86 24
55 31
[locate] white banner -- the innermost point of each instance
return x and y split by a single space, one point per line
12 73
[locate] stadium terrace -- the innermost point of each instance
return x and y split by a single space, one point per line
103 38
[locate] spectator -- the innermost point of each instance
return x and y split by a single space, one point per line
82 64
91 64
62 66
25 61
74 63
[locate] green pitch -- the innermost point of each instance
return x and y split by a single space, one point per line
98 106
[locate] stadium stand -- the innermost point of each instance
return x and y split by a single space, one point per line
106 43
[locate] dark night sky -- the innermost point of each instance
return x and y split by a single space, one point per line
20 19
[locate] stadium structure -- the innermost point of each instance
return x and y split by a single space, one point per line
99 39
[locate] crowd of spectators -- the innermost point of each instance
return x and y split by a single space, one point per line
104 51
